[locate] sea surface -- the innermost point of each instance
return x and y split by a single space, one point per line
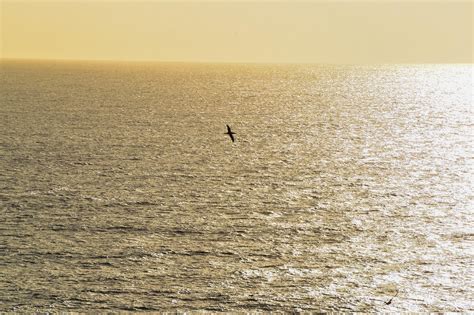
348 187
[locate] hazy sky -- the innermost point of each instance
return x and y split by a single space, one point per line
240 31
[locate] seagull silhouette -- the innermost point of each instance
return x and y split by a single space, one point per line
390 301
230 133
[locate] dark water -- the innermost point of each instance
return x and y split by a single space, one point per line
347 184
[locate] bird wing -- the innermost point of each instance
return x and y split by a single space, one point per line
228 129
232 137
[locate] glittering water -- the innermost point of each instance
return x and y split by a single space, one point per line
120 191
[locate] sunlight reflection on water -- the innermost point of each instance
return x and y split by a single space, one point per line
120 190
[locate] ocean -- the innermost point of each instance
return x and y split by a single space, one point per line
349 188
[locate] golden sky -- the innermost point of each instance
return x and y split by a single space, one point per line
239 31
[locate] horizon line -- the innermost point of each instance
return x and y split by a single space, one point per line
225 62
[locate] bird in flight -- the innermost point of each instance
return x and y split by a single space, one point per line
230 133
390 301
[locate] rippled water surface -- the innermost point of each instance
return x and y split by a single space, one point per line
347 184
